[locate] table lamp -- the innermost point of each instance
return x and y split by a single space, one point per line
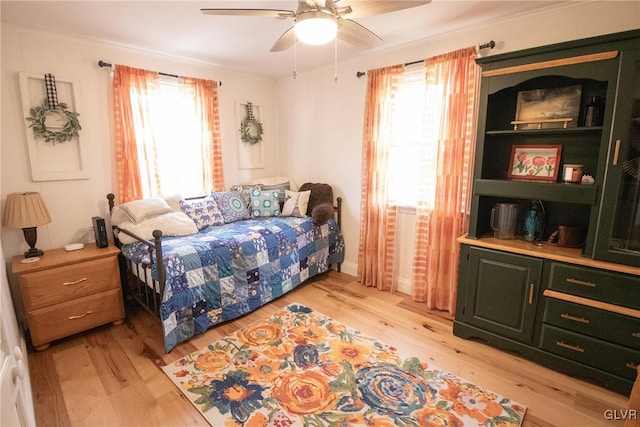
26 211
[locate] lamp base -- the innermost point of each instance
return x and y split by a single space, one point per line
31 236
33 252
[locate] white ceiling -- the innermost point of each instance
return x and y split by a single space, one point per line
179 29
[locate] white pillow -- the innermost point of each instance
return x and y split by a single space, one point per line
174 201
171 224
139 210
295 203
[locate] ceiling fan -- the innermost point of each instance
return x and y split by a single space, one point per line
320 21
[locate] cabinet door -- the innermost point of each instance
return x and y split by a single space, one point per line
618 239
502 292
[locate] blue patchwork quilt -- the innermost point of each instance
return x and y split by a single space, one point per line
225 271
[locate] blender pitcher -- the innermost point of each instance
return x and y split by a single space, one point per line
503 220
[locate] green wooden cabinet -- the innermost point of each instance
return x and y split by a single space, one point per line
618 236
580 320
606 67
501 293
575 310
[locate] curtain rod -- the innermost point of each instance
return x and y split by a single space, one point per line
103 64
489 45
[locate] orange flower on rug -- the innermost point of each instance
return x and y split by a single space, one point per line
302 368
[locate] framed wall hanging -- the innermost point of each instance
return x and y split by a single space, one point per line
51 117
535 162
548 108
250 136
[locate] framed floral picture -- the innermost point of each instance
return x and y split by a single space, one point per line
535 162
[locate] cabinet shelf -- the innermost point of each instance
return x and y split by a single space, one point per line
529 132
553 192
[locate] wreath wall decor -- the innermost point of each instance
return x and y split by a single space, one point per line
66 125
57 147
250 128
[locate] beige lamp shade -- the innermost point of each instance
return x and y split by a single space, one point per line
24 210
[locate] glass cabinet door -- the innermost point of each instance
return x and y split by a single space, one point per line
619 231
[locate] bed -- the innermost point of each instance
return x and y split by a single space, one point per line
195 281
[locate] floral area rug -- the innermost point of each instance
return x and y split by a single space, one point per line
302 368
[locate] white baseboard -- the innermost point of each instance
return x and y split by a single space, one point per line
351 268
404 286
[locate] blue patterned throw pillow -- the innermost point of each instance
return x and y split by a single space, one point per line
231 205
204 212
264 203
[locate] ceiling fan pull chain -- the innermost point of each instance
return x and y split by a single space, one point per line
335 60
295 57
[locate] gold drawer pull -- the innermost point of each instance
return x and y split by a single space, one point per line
570 347
75 282
574 318
616 153
580 282
636 334
631 365
531 288
80 316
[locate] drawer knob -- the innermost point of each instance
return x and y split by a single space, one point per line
581 282
636 334
80 316
575 318
570 347
75 282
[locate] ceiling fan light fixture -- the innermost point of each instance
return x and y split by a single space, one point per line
315 27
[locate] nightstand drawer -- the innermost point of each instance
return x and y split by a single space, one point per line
615 288
618 360
623 330
56 285
50 323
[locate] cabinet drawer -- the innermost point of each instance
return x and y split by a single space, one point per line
56 285
618 360
615 288
623 330
61 320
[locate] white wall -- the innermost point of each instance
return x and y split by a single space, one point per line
313 126
73 203
320 122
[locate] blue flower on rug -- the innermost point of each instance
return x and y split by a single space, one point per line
390 389
298 308
236 395
305 355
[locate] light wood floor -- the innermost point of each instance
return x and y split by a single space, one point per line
111 375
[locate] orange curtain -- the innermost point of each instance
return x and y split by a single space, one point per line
206 97
134 92
126 81
376 252
435 264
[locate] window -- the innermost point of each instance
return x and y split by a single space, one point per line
175 158
415 118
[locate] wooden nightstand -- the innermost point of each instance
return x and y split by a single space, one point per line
69 292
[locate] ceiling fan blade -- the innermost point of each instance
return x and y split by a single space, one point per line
362 8
285 41
275 13
357 35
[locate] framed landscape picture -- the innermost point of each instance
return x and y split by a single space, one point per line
535 162
553 107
